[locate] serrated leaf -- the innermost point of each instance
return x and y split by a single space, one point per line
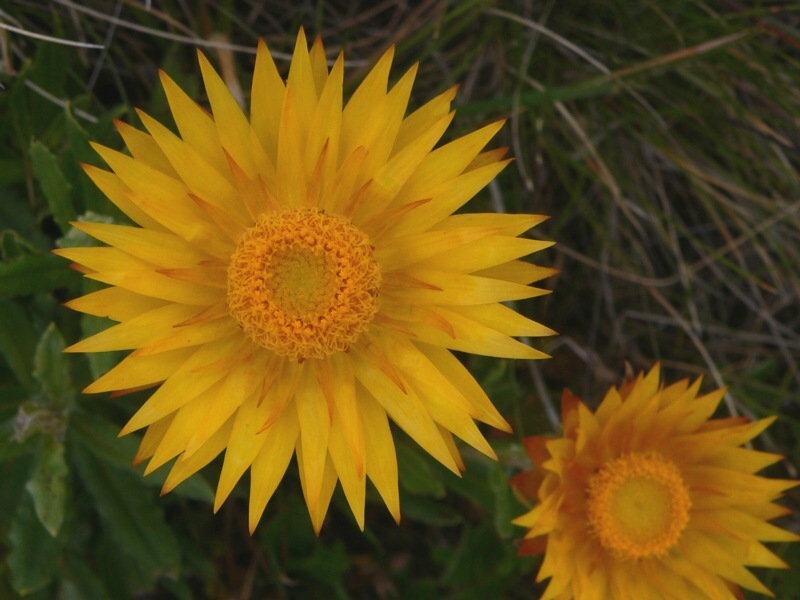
35 273
56 188
34 553
17 341
47 485
51 369
130 514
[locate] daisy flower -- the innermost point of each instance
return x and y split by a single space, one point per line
648 497
296 279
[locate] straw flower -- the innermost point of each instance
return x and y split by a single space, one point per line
648 497
296 280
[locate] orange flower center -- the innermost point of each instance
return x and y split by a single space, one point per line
303 283
638 505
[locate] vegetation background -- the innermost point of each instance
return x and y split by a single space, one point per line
662 137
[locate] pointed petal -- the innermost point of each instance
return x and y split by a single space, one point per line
232 126
405 409
271 462
188 465
266 100
244 445
115 190
135 372
381 454
189 378
115 303
144 148
156 247
314 419
195 125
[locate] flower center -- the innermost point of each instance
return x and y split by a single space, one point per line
303 283
638 505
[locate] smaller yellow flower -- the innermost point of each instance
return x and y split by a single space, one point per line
648 497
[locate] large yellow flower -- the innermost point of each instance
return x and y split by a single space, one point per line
298 278
648 497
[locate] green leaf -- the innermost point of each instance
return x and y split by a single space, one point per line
47 485
57 190
506 506
130 514
416 474
16 472
17 341
87 195
101 437
81 582
51 369
34 553
35 273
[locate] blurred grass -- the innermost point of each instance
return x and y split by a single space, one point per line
661 137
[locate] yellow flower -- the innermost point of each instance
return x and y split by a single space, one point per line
648 497
297 279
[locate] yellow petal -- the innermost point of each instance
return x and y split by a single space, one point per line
405 409
233 391
116 191
136 332
189 379
320 505
186 466
232 126
304 92
370 94
456 289
325 127
244 445
319 64
422 119
503 319
505 224
518 271
345 405
151 283
450 367
465 334
446 196
347 468
314 419
381 454
134 372
195 125
156 247
144 148
405 250
485 253
152 438
271 462
291 179
115 303
266 100
181 430
199 176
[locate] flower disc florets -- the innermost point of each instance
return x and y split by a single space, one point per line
303 283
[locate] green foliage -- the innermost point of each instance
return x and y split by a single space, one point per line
661 137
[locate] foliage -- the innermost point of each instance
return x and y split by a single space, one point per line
661 137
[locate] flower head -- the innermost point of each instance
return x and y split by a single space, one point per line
297 279
648 497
